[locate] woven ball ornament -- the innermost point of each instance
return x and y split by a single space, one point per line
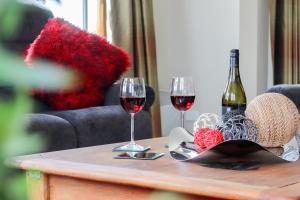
276 118
206 137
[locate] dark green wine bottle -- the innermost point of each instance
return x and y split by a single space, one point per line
234 98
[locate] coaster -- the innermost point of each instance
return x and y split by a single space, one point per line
122 149
139 155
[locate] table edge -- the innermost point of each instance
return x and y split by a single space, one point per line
142 178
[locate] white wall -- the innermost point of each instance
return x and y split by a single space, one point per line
254 46
194 38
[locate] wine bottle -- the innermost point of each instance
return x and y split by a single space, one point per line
234 98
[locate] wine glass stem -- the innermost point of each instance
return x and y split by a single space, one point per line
182 119
132 128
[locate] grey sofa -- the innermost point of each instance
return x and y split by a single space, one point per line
104 124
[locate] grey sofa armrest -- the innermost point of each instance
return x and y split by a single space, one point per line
112 96
57 133
291 91
105 124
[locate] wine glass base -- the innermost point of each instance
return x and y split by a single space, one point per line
131 148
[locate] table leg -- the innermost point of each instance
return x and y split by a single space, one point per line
38 185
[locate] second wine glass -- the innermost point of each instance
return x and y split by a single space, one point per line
182 95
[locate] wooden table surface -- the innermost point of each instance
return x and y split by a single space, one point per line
273 179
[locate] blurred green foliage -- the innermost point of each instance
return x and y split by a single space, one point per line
10 15
13 138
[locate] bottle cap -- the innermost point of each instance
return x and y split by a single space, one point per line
234 52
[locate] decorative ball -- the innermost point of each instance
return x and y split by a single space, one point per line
276 118
207 120
237 127
198 137
206 137
230 115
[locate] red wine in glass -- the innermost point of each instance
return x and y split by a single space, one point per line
132 104
182 103
182 95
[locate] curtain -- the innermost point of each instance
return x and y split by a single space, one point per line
131 26
101 20
285 29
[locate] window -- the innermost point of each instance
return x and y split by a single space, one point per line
82 13
70 10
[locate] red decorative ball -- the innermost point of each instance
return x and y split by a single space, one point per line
206 137
199 137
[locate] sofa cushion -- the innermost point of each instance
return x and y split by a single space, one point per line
98 63
105 124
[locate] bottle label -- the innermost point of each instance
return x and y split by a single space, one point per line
240 109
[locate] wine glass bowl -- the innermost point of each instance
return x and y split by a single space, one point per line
132 99
182 95
132 104
182 103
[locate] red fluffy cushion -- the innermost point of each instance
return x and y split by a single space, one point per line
98 62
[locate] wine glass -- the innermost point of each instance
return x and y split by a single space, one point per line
132 99
182 95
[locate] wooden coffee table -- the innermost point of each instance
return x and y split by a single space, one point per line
92 173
